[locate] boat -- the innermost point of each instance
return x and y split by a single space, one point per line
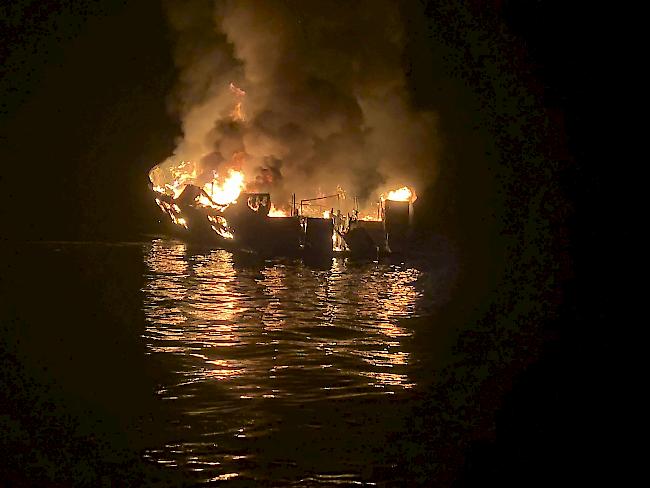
246 225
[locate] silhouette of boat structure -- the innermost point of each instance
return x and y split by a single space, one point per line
246 225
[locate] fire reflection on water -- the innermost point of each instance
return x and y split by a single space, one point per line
279 332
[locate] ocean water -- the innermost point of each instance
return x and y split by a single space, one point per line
279 371
158 360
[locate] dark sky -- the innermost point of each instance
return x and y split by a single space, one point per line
83 97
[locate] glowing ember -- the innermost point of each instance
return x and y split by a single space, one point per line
404 194
225 191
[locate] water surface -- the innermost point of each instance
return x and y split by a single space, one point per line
281 372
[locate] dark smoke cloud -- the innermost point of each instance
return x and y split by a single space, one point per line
326 100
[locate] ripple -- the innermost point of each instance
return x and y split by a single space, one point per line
239 345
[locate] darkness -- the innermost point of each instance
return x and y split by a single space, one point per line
84 116
83 91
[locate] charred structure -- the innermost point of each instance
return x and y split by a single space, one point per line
246 224
397 225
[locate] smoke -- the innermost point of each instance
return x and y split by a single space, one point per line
325 105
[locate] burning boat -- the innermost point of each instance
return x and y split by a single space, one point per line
217 203
223 215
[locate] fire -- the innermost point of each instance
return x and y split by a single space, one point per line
220 225
276 212
404 194
217 194
206 202
183 174
237 113
226 191
173 211
209 201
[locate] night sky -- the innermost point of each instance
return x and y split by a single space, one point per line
84 92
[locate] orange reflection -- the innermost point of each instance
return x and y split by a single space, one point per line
284 332
203 308
192 308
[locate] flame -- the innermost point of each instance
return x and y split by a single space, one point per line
404 194
204 201
173 211
226 191
183 174
220 226
217 194
369 218
237 113
326 214
276 212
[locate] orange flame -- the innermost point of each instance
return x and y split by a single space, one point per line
220 225
370 218
183 174
173 211
237 113
277 212
404 194
225 191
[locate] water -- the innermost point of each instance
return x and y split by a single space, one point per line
160 361
278 371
